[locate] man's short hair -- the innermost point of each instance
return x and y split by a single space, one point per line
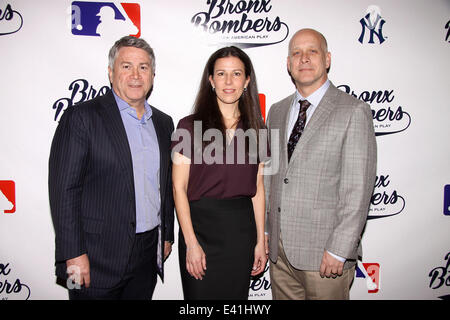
129 41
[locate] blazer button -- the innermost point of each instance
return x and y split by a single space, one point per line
286 180
279 209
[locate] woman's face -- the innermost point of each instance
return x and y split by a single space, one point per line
229 80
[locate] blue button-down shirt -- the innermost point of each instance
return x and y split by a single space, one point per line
144 147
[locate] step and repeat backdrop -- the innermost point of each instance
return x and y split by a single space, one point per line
395 55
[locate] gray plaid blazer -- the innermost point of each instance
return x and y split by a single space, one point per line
320 199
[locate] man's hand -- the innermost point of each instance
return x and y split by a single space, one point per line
167 249
330 266
79 271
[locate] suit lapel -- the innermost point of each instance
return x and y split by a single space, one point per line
115 129
320 115
284 127
163 160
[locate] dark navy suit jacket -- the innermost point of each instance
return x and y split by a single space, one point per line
91 188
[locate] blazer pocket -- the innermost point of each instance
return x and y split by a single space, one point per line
92 225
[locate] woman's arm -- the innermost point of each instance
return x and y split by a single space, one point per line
195 257
259 208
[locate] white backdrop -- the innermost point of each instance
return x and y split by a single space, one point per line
51 57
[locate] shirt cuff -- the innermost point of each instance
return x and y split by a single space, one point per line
336 257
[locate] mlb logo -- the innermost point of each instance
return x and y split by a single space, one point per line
370 272
447 200
106 19
7 196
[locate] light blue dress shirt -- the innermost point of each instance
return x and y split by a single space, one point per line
144 149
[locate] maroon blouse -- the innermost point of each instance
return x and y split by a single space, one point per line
228 179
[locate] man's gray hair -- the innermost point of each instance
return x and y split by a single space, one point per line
129 41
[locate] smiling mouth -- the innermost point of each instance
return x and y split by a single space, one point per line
229 91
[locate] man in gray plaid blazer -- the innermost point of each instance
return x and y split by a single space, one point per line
318 200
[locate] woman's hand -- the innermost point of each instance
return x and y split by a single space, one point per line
195 261
260 259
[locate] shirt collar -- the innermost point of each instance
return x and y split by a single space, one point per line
123 105
316 96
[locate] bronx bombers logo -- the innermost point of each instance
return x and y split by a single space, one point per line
373 23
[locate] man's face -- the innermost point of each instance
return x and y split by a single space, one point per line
308 60
132 75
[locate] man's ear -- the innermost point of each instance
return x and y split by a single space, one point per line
328 60
288 65
110 74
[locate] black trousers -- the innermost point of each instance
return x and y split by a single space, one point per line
226 230
140 278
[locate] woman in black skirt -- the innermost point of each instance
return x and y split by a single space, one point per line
218 182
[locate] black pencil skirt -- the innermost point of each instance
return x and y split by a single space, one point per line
226 231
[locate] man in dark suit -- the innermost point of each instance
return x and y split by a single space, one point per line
110 184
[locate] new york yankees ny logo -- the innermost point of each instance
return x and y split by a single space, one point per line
373 22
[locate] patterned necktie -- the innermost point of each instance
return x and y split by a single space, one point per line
298 127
